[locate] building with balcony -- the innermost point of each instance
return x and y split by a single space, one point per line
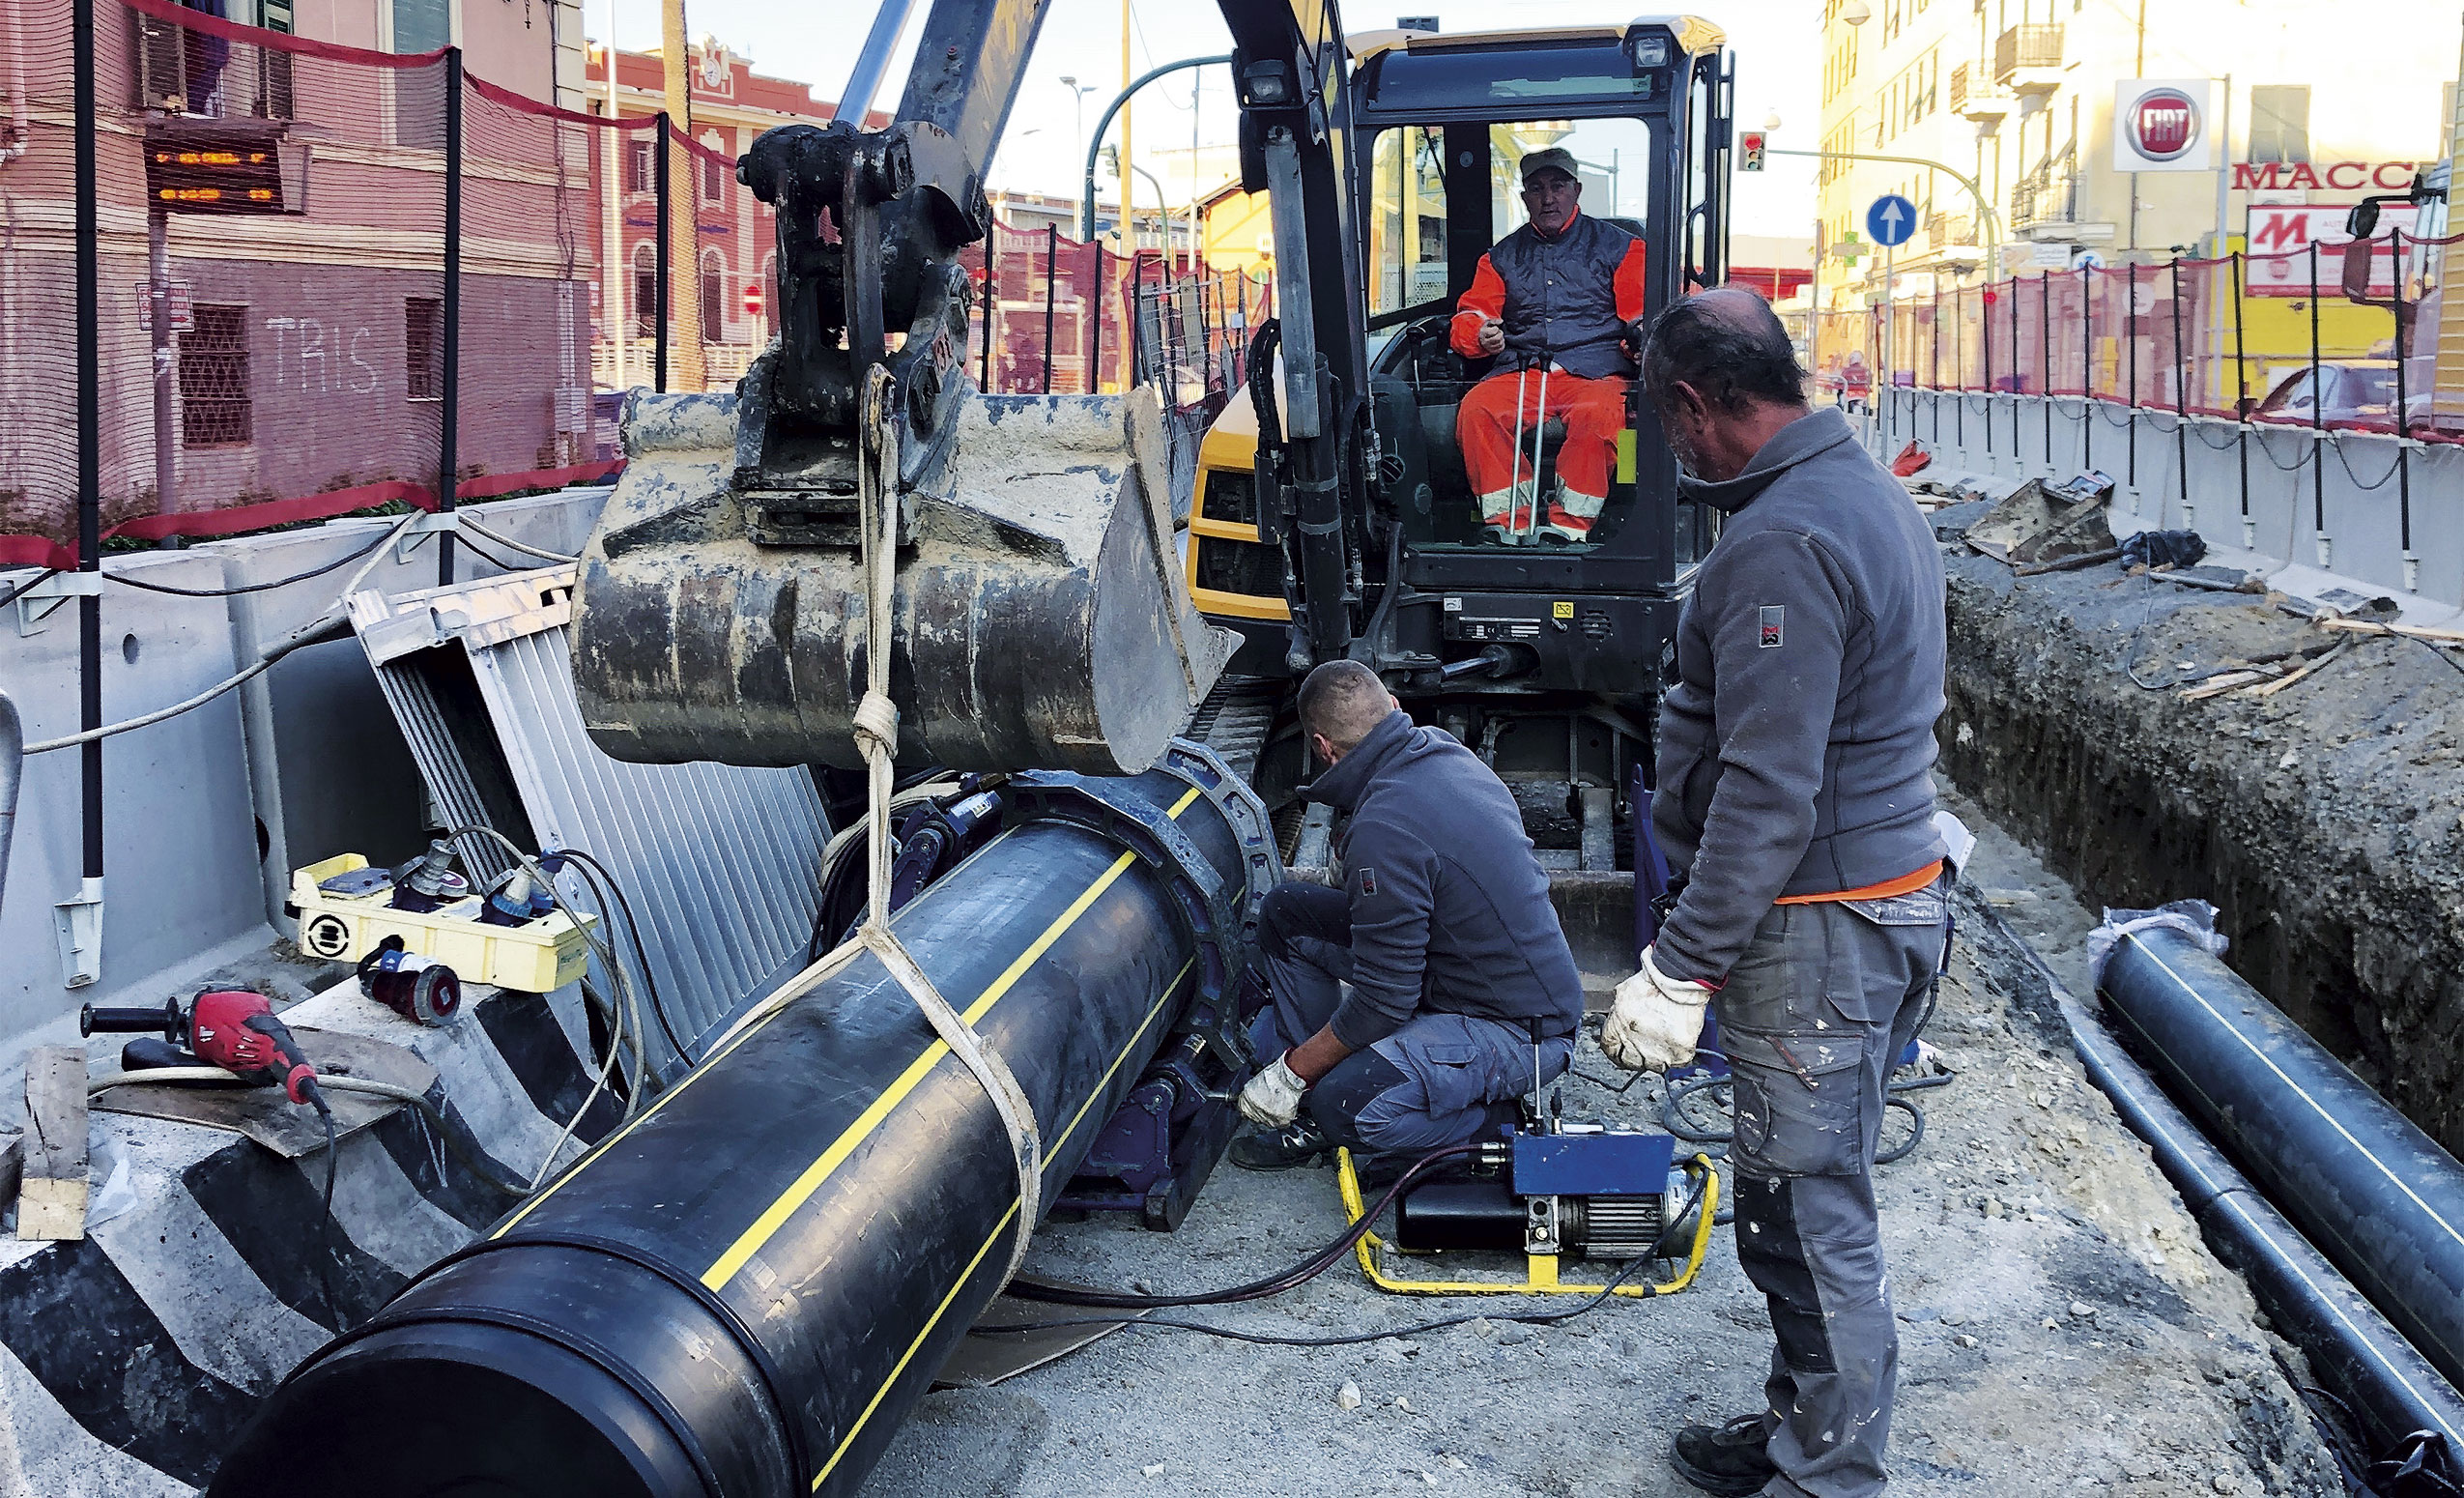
2017 96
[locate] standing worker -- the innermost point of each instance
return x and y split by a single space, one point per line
1560 299
1795 798
1461 984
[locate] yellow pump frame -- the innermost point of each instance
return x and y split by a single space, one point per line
1540 1269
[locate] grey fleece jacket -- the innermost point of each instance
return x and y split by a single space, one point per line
1449 909
1796 743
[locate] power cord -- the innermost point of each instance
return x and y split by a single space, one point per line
319 570
1601 1297
591 867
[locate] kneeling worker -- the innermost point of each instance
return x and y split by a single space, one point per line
1443 931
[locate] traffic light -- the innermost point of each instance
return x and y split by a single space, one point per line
752 299
1750 158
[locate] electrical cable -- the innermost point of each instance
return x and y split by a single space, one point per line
1598 1299
467 523
28 585
491 559
325 1217
632 930
2433 648
176 1075
306 634
319 570
626 1024
2346 463
1308 1268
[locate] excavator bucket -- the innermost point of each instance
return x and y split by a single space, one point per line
1042 618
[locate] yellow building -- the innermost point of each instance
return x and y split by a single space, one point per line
2019 96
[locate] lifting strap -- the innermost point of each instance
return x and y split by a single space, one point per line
877 734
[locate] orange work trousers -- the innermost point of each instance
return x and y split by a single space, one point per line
1487 425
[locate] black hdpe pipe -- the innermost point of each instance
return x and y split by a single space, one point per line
2366 1187
742 1293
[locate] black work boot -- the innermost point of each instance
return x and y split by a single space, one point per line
1726 1459
1300 1143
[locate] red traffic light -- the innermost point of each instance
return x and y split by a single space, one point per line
752 300
1753 140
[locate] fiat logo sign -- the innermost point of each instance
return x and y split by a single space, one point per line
2164 124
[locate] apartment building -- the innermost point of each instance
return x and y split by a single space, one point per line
2019 96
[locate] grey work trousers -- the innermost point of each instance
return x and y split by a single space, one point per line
1812 1018
1442 1078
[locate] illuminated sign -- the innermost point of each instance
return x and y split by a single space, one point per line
2160 124
2164 124
206 172
2281 237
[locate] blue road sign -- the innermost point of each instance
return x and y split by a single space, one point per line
1891 220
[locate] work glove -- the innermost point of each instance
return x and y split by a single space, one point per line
1656 1020
1273 1097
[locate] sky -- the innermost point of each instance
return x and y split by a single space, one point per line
1778 47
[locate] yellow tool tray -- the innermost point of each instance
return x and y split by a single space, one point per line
544 954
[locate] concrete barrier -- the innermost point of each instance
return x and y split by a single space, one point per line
298 765
2331 501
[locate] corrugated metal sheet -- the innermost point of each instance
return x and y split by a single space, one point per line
722 863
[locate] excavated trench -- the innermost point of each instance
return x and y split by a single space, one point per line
2322 819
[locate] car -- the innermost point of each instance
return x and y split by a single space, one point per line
2348 392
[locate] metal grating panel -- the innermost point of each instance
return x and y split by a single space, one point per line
722 863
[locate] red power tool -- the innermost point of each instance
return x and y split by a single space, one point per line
232 1028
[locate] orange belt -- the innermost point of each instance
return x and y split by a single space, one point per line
1905 884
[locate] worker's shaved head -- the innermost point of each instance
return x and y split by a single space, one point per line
1729 345
1341 701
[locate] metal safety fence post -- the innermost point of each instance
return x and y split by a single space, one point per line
449 464
660 195
89 295
1051 280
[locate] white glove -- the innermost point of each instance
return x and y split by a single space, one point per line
1273 1097
1655 1020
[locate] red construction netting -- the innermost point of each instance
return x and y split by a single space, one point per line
285 200
540 284
2300 336
1077 303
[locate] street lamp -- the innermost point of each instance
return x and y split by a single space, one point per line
1077 101
1856 13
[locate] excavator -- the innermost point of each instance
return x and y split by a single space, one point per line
745 1288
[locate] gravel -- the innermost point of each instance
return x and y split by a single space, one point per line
2062 1327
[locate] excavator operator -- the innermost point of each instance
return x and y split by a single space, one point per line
1560 300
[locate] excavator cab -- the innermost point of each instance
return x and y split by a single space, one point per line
1438 123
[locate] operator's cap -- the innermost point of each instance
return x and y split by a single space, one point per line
1555 158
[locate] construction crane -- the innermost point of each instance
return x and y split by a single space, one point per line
742 1291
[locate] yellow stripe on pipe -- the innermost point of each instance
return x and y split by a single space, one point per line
1106 1080
766 1227
1169 989
908 1356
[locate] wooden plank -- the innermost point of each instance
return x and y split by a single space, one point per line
2363 627
2274 687
51 1201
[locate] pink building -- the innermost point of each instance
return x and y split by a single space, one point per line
304 351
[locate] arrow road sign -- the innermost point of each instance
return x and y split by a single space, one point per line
1891 220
